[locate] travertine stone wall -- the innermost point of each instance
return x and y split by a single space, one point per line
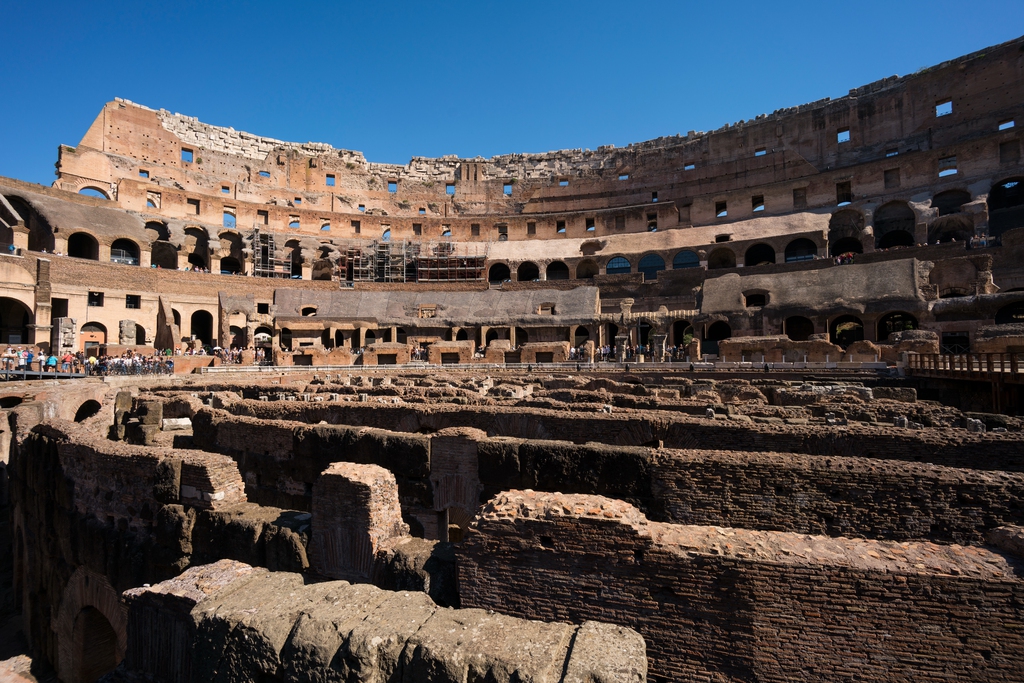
355 515
231 622
717 604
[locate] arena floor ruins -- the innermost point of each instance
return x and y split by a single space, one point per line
689 527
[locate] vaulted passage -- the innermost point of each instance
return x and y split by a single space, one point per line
1006 206
894 226
95 646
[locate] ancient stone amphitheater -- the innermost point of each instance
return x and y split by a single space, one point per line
728 406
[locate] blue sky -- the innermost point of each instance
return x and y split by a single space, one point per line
401 79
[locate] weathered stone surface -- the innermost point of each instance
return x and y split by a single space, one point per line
231 622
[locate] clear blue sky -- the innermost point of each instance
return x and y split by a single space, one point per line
398 79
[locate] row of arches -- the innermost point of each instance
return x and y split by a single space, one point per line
651 264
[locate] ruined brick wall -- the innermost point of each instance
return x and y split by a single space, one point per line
461 467
726 604
85 507
282 465
950 448
834 496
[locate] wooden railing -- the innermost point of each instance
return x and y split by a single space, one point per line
1002 366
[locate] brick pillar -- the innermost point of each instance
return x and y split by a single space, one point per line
455 472
355 513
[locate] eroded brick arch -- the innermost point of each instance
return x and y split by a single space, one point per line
88 596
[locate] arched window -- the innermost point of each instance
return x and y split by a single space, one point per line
83 245
586 270
844 233
801 249
498 273
685 259
1006 206
528 272
897 321
125 252
950 201
228 219
15 318
94 192
845 330
230 266
1012 314
557 271
618 265
650 265
894 225
798 328
721 258
202 327
759 255
386 236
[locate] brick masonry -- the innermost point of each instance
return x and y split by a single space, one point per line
718 604
355 515
462 467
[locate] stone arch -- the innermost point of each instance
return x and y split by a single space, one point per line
844 232
197 245
92 334
714 333
896 321
83 245
125 252
15 319
156 231
164 255
680 330
758 255
294 257
950 201
581 335
91 628
845 330
801 249
93 191
650 265
586 270
201 326
527 272
229 265
498 273
685 259
87 410
952 228
894 225
1011 314
798 328
721 258
557 270
1006 206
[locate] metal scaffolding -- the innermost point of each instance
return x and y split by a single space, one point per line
264 256
435 261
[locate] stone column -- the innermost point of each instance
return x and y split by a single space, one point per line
657 342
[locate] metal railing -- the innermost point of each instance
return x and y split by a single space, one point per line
720 366
1004 366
